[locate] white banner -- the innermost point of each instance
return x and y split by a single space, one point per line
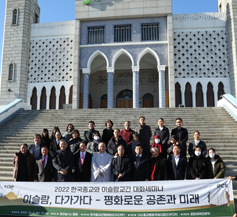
211 197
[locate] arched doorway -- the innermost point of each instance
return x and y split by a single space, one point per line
62 97
148 100
210 95
199 95
70 94
178 99
220 90
33 99
124 99
104 101
188 95
43 99
52 100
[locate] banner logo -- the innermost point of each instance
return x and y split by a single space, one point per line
87 2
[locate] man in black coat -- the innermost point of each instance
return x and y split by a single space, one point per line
82 161
177 164
63 162
144 135
140 165
44 171
181 134
121 166
89 133
164 134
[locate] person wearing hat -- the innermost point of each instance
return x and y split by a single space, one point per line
140 165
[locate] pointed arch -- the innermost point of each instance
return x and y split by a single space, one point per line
188 95
199 95
210 95
43 98
94 55
221 90
33 99
62 97
178 99
52 100
150 51
119 53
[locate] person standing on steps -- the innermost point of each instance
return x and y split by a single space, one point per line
164 134
68 134
108 132
127 133
88 135
144 134
197 142
181 134
35 148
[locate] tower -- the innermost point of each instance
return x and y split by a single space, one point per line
230 7
19 15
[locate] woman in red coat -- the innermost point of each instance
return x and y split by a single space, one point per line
157 143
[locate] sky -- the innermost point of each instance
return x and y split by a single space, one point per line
63 10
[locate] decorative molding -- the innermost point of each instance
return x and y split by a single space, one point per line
52 25
110 69
161 68
86 70
135 68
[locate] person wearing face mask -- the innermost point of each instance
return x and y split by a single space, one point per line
45 138
216 165
88 135
68 134
197 142
92 147
114 142
157 143
164 134
197 165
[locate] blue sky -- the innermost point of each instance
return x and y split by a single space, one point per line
63 10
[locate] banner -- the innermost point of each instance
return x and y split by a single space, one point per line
213 197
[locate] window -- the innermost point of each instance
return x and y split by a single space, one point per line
96 35
36 18
150 32
15 17
122 33
11 72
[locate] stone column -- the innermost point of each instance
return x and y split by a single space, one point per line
47 99
194 95
135 70
215 90
161 86
57 98
205 96
86 75
110 98
183 94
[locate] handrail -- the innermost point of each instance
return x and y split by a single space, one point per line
230 99
10 105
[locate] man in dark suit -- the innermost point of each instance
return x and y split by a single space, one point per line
44 168
177 164
83 163
181 134
140 165
63 163
88 135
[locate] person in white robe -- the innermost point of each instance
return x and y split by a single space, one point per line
101 165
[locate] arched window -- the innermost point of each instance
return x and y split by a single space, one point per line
52 104
188 95
33 99
62 97
43 99
220 90
15 17
210 95
124 99
178 99
199 95
11 72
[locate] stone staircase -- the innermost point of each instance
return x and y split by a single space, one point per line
216 126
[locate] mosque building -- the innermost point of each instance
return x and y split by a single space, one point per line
119 54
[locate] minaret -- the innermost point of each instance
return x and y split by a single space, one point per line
230 7
19 15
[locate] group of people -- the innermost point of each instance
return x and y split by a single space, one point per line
125 155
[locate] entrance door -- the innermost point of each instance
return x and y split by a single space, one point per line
124 99
104 101
148 100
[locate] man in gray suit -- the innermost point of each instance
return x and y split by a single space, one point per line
44 168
